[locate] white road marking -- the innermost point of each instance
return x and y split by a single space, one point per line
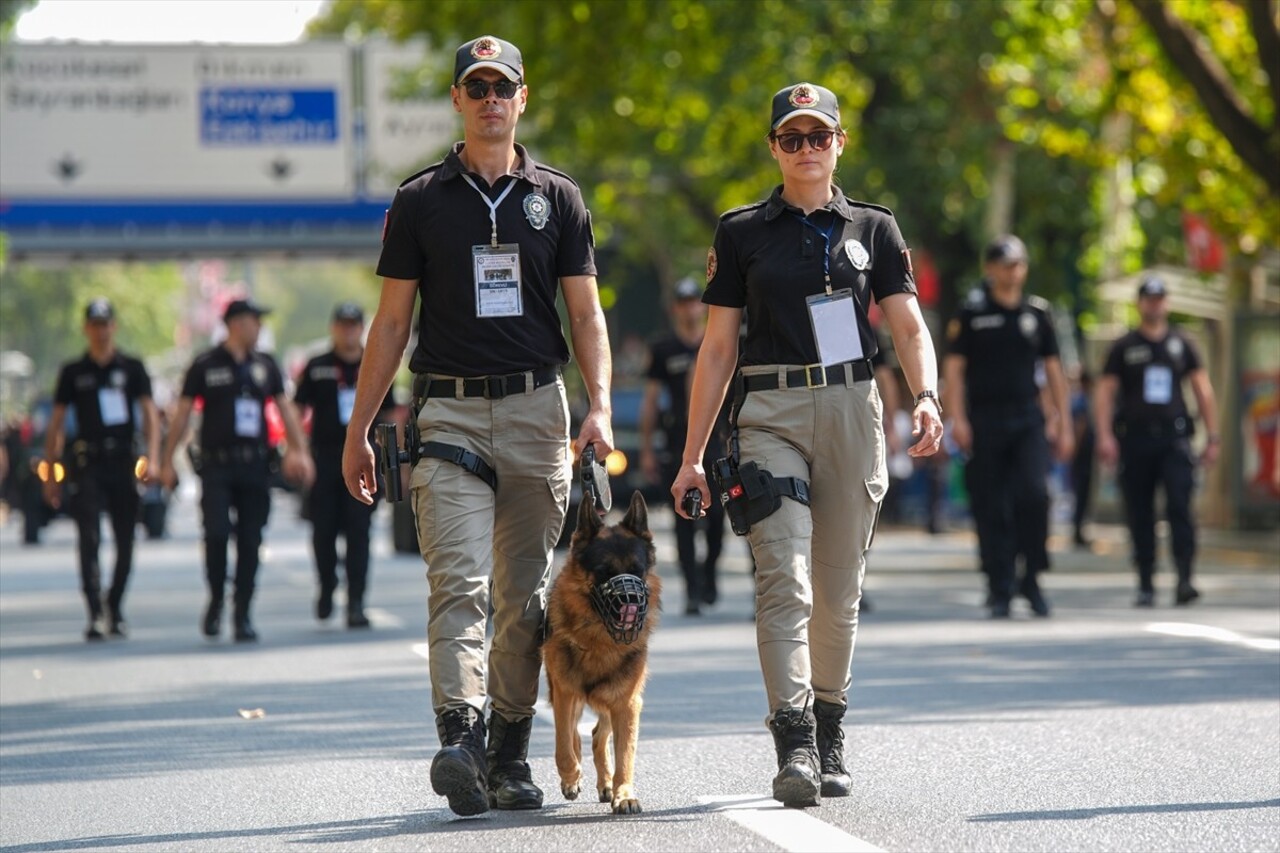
1217 635
420 649
383 618
790 829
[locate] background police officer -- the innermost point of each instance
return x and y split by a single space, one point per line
108 390
328 387
990 369
486 239
1143 419
235 382
804 265
671 359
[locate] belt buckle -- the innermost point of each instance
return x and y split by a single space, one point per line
495 387
808 376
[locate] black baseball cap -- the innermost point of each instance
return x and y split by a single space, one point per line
243 306
488 52
1153 286
805 99
1006 249
99 311
348 312
687 288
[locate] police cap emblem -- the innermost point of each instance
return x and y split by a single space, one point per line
804 95
858 255
486 47
537 209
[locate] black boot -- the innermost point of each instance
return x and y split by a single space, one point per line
116 624
212 618
510 780
798 783
458 770
244 632
355 615
835 778
94 631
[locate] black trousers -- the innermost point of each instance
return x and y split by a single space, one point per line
334 511
1009 497
104 485
1082 478
242 487
1148 460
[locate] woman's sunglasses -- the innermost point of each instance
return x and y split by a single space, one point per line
479 89
819 140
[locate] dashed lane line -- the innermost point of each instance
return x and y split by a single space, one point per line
790 829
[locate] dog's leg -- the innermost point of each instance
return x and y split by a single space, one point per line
626 732
568 709
602 751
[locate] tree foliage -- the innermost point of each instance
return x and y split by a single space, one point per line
659 108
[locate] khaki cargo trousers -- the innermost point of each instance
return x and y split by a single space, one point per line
810 560
471 535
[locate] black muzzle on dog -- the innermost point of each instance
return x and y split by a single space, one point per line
622 602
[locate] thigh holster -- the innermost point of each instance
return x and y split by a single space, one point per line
461 457
750 493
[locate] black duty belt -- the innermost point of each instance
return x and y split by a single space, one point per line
811 376
104 448
489 387
232 455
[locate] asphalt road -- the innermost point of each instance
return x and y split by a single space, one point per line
1101 728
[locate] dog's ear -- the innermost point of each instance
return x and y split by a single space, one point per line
589 521
637 518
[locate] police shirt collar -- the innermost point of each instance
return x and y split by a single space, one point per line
525 170
838 205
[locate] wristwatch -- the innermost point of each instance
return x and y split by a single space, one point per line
929 395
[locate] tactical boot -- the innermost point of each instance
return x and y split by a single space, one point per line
798 783
835 778
510 780
458 770
212 623
244 632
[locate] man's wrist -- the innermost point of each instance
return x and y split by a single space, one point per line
1215 438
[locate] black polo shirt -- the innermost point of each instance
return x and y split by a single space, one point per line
109 389
436 219
231 392
767 260
328 386
1001 347
670 361
1151 374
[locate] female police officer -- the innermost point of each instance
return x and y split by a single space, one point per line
810 462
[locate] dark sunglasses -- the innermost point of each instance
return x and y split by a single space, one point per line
479 89
819 140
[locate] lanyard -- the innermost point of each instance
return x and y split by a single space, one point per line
826 246
493 205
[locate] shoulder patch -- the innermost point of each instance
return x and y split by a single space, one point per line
1040 303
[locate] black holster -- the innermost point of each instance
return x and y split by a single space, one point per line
750 493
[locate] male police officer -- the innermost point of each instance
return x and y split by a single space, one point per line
235 383
671 359
328 387
1147 367
108 391
990 370
483 238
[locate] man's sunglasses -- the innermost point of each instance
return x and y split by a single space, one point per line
819 140
479 89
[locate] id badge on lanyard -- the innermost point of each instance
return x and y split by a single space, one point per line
248 417
497 279
112 407
835 327
1157 385
346 404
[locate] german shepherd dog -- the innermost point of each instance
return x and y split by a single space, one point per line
602 609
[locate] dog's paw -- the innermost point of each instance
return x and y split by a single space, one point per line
570 791
626 805
606 795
